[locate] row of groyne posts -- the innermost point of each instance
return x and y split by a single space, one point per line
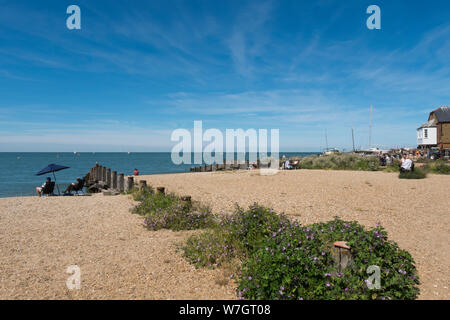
102 179
232 165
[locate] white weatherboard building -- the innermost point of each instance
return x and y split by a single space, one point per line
427 135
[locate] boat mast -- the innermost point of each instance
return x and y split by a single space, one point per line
370 127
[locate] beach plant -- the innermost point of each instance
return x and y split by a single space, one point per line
168 211
417 173
297 263
235 236
438 167
339 162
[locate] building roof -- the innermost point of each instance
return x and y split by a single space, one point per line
429 124
442 114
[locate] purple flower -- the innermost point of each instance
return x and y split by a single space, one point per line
250 278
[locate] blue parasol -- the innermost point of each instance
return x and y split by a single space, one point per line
52 168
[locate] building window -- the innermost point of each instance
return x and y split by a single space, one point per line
425 132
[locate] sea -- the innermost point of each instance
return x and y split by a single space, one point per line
18 169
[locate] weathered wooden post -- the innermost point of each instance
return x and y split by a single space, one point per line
210 167
186 201
247 164
114 179
130 183
341 255
97 172
258 163
142 185
104 174
91 175
108 178
121 182
160 190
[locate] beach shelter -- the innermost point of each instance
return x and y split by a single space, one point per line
52 168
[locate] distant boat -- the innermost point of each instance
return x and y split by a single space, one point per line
331 151
372 151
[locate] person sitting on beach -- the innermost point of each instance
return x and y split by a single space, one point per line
136 172
407 165
287 165
73 186
39 189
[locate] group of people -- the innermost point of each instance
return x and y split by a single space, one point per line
406 164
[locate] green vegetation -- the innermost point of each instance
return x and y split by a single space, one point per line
279 259
234 237
276 258
416 174
297 263
339 161
438 167
163 211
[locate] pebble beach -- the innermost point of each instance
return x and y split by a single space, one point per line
120 259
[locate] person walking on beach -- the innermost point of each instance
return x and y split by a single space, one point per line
39 189
136 172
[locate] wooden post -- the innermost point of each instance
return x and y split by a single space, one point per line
186 201
91 175
108 178
97 173
114 179
130 183
247 164
142 185
121 182
341 255
104 174
160 190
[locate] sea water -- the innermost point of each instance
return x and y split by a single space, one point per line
18 170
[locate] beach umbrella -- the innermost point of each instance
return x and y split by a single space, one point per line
52 168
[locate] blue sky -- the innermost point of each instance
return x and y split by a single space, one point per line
137 70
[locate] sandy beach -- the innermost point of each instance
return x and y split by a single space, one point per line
119 259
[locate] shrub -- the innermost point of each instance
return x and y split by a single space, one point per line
163 211
235 236
211 249
140 195
339 162
438 167
394 166
296 263
416 174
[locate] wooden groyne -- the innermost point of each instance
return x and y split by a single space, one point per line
100 179
109 182
231 165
